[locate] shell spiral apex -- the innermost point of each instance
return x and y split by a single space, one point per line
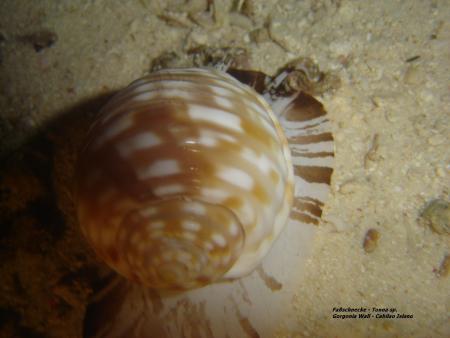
185 179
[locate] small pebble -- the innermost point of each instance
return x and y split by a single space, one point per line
437 216
371 154
413 75
413 58
371 240
444 267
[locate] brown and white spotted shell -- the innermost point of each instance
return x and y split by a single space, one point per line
186 179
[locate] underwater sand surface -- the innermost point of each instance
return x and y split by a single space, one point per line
379 245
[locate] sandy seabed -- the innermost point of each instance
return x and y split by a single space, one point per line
391 122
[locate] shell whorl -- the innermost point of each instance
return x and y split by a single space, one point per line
185 179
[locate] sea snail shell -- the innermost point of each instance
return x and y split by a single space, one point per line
185 179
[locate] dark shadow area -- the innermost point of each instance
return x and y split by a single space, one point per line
35 227
36 157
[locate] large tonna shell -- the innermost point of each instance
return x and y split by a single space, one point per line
186 179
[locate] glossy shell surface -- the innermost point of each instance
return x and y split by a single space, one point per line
186 179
